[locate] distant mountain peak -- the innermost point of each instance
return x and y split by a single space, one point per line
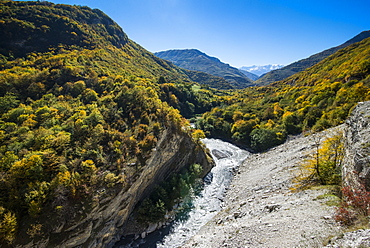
261 69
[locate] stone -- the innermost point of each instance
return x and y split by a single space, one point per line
237 215
151 228
272 208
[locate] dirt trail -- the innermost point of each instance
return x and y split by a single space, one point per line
260 210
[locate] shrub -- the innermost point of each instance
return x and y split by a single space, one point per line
151 211
356 203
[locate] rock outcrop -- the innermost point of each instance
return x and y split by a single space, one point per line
104 224
356 164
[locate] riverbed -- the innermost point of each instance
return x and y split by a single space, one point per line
261 209
201 205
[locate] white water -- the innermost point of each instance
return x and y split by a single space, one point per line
209 202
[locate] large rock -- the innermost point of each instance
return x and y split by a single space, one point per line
356 164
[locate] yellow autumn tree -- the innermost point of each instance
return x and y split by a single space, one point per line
8 226
323 165
197 135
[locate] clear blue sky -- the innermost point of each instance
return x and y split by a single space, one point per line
238 32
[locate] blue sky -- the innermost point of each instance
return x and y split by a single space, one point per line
239 32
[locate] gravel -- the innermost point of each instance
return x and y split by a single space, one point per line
261 210
359 238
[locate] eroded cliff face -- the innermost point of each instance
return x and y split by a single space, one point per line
356 164
104 224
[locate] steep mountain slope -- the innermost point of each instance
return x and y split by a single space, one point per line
208 80
193 59
303 64
89 123
317 98
250 75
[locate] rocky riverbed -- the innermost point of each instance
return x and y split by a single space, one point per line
261 210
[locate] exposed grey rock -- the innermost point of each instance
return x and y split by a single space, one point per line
151 228
357 144
355 239
220 154
237 215
272 208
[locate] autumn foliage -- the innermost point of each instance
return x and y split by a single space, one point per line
312 100
323 164
355 205
81 110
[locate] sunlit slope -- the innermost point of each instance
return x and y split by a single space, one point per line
287 71
82 108
317 98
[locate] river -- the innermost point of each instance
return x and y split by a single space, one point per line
202 204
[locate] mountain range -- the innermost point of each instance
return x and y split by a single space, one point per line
259 70
195 60
289 70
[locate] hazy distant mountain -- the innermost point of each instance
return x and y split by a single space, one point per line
250 75
196 60
303 64
259 70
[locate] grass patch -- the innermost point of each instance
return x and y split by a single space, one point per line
331 200
332 195
195 88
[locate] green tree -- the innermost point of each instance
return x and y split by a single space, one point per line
263 139
8 102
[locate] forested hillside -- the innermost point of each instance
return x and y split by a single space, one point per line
301 65
81 109
90 121
317 98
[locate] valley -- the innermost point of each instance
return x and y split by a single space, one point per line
100 138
